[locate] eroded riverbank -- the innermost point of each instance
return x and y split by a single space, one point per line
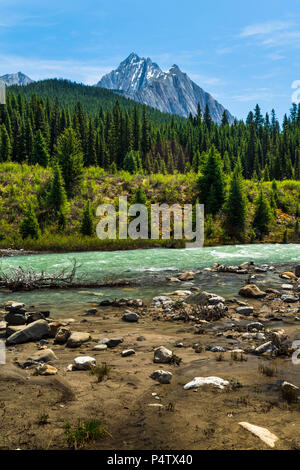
204 418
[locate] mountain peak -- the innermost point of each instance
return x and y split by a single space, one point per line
18 78
172 92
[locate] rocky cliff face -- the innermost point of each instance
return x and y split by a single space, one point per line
172 92
16 79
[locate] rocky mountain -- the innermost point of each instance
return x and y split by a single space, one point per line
16 79
172 91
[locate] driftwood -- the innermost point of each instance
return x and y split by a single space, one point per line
20 279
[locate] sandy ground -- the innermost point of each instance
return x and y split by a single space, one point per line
204 419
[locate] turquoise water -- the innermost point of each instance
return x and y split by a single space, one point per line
147 267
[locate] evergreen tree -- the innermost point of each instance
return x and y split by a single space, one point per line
70 159
29 226
57 197
139 197
235 219
40 152
211 184
5 146
87 220
262 214
130 163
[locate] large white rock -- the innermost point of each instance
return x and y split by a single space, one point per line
200 381
264 434
162 355
84 362
162 376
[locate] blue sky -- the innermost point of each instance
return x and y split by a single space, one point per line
242 53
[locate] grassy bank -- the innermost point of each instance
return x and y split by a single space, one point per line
20 184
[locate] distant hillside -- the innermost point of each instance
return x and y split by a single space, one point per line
92 98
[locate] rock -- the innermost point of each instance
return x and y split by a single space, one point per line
15 318
131 317
141 338
11 329
34 316
162 376
45 355
161 299
216 349
297 270
46 369
91 311
14 306
113 342
162 355
127 352
290 275
54 327
186 276
84 362
286 386
100 347
200 381
216 300
255 326
156 405
77 338
62 335
181 293
3 325
266 347
33 332
252 291
272 291
264 434
287 287
291 299
245 310
174 279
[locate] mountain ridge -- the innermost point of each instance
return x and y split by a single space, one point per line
172 91
18 78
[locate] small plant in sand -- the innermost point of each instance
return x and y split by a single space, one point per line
43 419
170 407
175 360
234 384
238 357
269 371
100 371
220 357
83 432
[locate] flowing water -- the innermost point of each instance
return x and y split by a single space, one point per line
149 269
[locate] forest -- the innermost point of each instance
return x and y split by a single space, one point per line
247 173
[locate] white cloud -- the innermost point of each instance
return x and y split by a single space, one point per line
88 72
268 27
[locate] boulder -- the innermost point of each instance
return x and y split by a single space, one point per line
162 376
200 381
291 299
245 310
251 291
45 355
33 332
130 317
62 335
216 300
162 355
186 276
113 342
84 362
255 326
290 275
54 327
12 306
34 316
76 339
264 434
100 347
15 318
46 369
127 352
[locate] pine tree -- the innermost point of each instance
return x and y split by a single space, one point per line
262 215
130 163
57 197
40 153
139 197
70 159
29 226
235 219
211 184
5 146
87 220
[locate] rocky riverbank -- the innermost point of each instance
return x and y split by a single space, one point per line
189 370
